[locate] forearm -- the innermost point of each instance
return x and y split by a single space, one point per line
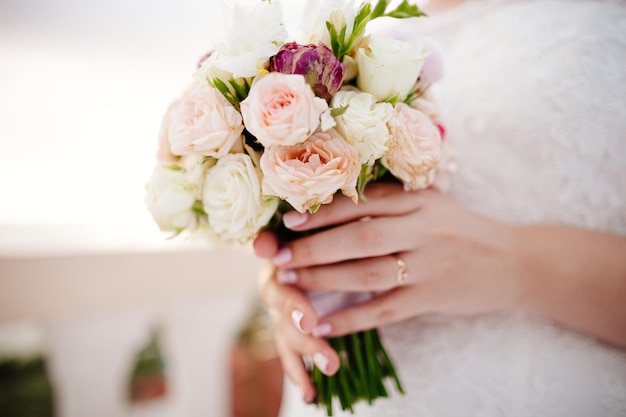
577 278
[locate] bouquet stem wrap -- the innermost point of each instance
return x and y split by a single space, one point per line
365 365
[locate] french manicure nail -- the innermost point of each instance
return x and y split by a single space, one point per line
294 219
322 330
321 361
282 256
306 398
287 276
297 316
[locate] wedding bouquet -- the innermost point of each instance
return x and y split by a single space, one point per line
270 124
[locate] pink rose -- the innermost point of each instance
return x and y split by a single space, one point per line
427 106
417 147
203 123
311 173
281 109
164 152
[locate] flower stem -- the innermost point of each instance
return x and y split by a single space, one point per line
364 365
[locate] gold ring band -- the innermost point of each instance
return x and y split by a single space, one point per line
402 275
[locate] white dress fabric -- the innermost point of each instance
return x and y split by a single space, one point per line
534 102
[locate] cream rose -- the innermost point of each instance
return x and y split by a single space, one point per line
389 68
417 147
311 173
233 201
281 109
364 123
203 122
170 198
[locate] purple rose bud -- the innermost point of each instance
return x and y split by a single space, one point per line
319 66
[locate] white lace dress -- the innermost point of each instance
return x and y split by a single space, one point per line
534 100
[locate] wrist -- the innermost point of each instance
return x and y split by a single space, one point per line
574 277
532 268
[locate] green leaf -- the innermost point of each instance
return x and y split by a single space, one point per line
176 233
342 46
338 111
174 167
198 208
379 10
223 88
314 208
380 171
363 16
240 90
405 10
365 176
335 44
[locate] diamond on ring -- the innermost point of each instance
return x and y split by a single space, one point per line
402 274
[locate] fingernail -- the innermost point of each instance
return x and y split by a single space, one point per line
322 330
297 316
321 361
293 219
287 276
306 398
282 256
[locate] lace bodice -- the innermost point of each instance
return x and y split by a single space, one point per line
534 100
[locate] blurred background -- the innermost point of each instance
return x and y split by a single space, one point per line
100 315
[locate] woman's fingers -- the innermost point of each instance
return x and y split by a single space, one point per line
289 302
396 305
379 273
294 318
392 226
295 369
293 346
356 240
382 199
317 350
266 244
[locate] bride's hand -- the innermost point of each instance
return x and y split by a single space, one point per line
293 318
418 250
454 261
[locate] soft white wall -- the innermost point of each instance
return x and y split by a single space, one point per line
83 85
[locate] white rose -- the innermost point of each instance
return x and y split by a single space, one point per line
364 123
389 68
254 31
233 201
170 198
339 12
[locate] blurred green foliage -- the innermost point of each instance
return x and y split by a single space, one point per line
25 389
